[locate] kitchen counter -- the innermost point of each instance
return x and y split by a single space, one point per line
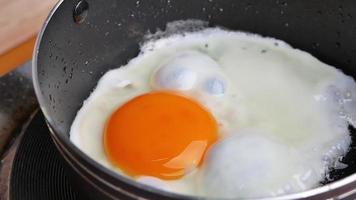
20 21
17 101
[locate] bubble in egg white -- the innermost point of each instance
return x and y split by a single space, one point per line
249 157
215 86
183 71
175 77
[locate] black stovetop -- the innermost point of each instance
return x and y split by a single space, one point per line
38 171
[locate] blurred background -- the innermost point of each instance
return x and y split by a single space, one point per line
20 22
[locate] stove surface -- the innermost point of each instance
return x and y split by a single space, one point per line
38 171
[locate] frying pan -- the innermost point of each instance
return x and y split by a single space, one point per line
81 40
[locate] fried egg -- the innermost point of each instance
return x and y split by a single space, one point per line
217 113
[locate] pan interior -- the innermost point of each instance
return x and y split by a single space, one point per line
72 57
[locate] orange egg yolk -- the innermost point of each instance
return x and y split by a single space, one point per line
160 134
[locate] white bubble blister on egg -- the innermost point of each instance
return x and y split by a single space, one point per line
186 71
248 158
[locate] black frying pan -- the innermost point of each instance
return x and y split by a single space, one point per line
82 40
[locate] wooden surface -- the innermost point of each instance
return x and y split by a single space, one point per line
20 21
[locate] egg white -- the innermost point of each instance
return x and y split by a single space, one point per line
283 114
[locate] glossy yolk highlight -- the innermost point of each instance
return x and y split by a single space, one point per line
159 134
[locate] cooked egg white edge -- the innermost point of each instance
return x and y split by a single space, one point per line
119 85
